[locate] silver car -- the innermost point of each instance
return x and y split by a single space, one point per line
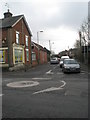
70 65
54 60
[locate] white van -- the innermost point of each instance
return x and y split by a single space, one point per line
61 60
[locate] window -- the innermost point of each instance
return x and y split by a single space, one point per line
17 37
26 40
33 56
18 56
2 56
27 54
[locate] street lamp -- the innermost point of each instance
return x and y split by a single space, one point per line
50 46
38 46
38 36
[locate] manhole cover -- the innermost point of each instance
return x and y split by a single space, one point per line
22 84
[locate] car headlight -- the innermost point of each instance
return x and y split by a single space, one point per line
78 67
66 66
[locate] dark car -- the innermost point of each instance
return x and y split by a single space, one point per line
70 65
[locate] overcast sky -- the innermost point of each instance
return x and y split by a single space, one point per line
59 21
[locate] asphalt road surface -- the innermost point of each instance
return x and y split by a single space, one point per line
49 93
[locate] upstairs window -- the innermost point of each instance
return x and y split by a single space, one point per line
26 40
17 37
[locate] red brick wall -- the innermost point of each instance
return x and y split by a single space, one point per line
10 47
43 57
10 34
36 51
34 63
21 28
6 56
3 35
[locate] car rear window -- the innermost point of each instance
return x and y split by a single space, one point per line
70 61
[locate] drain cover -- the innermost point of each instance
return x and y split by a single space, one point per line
21 84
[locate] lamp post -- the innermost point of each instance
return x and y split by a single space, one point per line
50 46
38 36
38 46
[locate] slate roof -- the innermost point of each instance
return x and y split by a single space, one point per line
10 21
39 46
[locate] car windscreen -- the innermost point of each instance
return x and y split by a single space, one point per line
54 58
70 61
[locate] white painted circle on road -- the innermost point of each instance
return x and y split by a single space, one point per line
21 84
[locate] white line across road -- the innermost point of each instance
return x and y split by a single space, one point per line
41 78
1 95
51 89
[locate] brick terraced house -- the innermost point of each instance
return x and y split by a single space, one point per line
39 54
15 41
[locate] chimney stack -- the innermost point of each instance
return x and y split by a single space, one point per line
7 14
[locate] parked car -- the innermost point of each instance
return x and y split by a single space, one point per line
61 60
54 60
70 65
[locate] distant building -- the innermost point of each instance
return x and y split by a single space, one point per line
48 54
39 54
63 53
15 41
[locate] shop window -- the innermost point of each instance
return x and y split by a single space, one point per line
33 56
18 56
2 56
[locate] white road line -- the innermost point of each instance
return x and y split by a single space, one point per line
82 73
21 84
64 83
49 72
51 89
41 78
1 95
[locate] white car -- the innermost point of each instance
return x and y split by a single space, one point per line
61 60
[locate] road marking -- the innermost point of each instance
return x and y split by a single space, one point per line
1 95
41 78
51 89
7 79
49 72
64 83
21 84
82 73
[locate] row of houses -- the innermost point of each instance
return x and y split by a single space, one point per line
16 48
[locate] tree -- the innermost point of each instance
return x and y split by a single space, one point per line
84 32
77 44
